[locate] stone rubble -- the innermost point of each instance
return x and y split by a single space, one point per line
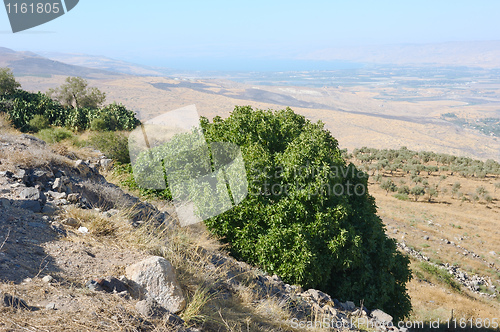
472 283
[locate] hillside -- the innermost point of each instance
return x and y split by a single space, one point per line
73 248
31 64
356 115
74 225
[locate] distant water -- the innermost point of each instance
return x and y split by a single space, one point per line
247 65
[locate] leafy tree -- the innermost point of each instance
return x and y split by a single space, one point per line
8 84
404 190
76 93
432 192
298 220
417 191
388 185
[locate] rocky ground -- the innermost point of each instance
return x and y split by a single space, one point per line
65 263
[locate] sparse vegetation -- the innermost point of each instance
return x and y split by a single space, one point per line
441 274
113 144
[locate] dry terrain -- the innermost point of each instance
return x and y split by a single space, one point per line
365 115
462 233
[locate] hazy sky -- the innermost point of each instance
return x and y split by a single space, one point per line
162 32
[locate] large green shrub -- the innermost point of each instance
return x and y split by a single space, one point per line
23 106
113 144
308 217
38 123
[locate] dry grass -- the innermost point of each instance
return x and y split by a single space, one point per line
474 226
5 125
15 154
189 249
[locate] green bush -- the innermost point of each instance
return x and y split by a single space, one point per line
23 106
54 135
402 197
98 125
113 144
293 224
38 123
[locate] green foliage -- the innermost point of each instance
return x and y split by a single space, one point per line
442 275
402 196
38 123
424 161
432 192
114 117
8 83
417 191
23 106
404 190
388 185
98 125
75 93
54 135
113 144
294 225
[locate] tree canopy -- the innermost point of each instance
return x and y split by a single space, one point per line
308 216
75 93
8 84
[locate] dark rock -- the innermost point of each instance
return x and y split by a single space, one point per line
31 205
349 305
5 203
94 286
112 285
8 300
7 174
83 168
49 208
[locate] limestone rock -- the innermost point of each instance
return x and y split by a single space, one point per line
155 278
381 316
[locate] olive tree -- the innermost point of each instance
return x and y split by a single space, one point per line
75 93
8 84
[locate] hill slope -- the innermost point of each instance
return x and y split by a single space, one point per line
28 63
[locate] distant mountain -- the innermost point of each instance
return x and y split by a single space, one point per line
104 63
484 54
31 64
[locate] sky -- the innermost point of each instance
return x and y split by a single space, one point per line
231 33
